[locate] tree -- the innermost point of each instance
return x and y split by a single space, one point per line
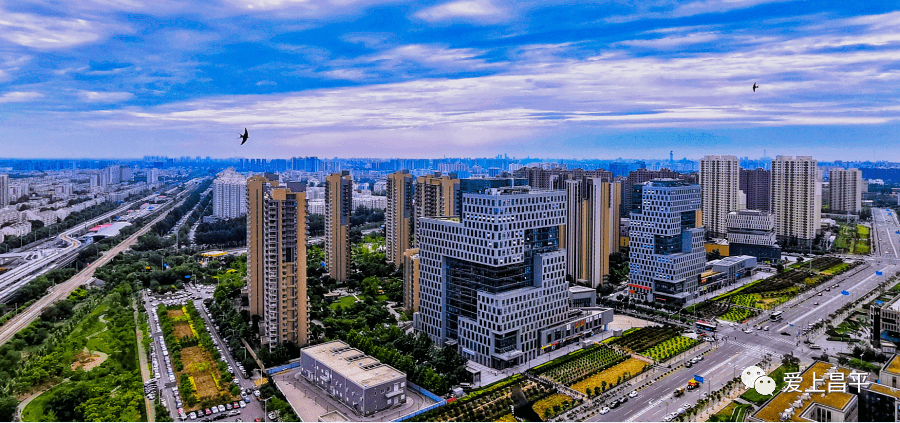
8 405
713 255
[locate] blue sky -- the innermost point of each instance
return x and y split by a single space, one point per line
353 78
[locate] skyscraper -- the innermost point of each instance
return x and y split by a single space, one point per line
796 199
666 255
229 194
276 260
494 283
592 228
435 196
4 190
338 207
756 185
638 177
846 190
399 217
719 178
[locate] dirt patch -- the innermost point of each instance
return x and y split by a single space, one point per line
206 386
182 329
192 355
87 361
175 313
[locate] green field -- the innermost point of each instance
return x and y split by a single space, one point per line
343 302
853 239
732 412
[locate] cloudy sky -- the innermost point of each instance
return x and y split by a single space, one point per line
372 78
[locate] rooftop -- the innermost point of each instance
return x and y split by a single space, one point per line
352 364
578 288
893 366
838 400
887 390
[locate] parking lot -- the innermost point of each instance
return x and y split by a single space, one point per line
163 386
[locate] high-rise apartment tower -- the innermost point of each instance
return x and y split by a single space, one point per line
338 208
276 260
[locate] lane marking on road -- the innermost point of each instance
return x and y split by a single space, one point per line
671 394
832 299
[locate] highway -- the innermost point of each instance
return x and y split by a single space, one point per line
63 290
11 281
736 350
886 239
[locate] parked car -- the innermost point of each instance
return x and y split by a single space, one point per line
236 404
633 394
244 404
604 410
193 415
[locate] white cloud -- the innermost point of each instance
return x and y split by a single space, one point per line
465 10
673 41
51 33
19 97
104 97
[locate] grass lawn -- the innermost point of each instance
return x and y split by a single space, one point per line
732 412
777 374
343 302
862 231
34 411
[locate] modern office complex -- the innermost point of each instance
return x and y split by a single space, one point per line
719 178
756 184
638 177
796 199
338 201
359 381
666 242
411 279
477 185
229 194
399 217
592 228
752 233
276 259
493 283
846 188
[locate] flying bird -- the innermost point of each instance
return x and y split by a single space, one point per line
244 137
755 87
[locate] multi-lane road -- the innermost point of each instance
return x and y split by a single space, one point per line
736 349
63 290
14 279
886 236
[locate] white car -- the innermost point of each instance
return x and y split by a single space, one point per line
748 330
193 415
632 394
243 404
604 410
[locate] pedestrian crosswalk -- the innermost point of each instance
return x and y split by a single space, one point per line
756 350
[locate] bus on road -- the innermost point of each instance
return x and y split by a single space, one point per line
776 316
705 326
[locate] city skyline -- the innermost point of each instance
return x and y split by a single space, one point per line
463 78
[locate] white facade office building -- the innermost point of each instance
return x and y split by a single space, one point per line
229 195
493 283
666 242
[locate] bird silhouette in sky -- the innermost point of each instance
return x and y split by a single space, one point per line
754 88
244 137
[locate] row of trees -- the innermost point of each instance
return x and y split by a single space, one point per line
435 369
223 233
